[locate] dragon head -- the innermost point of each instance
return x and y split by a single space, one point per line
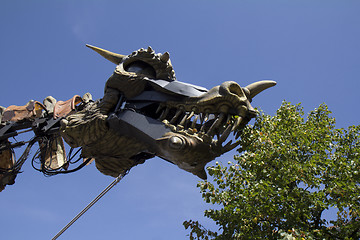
146 112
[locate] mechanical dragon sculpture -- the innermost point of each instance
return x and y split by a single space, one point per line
145 112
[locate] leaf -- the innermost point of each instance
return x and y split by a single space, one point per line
290 170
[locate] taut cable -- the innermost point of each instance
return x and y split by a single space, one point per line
91 204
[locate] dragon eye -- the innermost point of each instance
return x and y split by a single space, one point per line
176 143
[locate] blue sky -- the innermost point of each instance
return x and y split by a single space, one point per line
311 48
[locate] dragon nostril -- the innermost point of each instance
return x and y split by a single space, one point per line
230 87
176 143
234 88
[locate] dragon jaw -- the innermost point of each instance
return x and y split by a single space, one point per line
160 116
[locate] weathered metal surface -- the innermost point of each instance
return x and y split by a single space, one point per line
145 112
194 122
17 113
63 108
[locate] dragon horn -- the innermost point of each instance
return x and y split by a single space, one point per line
257 87
112 57
165 57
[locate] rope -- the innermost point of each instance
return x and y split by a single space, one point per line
121 176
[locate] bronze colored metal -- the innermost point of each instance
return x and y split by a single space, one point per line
63 108
112 57
6 162
18 113
145 112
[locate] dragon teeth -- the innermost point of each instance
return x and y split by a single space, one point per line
220 125
177 114
183 121
206 117
229 146
202 129
225 135
193 125
228 118
216 124
237 134
190 116
201 118
159 108
237 123
164 114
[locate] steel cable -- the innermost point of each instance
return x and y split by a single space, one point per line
111 185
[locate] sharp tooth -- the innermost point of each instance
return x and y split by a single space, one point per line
216 124
177 114
159 108
201 118
193 125
202 129
191 115
183 120
229 146
206 117
238 134
225 135
228 118
217 135
237 123
164 114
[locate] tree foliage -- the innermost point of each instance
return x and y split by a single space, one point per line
290 171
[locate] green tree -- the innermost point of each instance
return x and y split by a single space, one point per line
289 172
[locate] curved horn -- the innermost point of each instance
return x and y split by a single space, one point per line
112 57
257 87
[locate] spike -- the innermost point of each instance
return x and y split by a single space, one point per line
257 87
159 108
238 133
225 135
112 57
177 114
193 125
87 97
201 118
49 103
216 123
217 135
228 119
183 121
164 114
226 145
237 123
206 117
165 57
150 50
202 129
229 146
191 115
